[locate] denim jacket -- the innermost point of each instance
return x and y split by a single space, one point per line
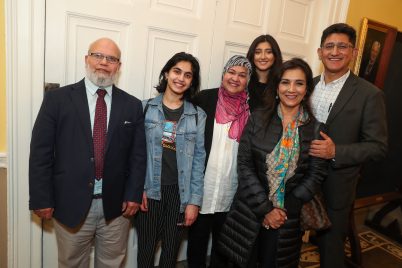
190 151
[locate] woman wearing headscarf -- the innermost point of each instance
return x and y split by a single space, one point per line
276 175
265 57
227 113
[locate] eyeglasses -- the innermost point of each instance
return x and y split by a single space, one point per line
100 57
341 46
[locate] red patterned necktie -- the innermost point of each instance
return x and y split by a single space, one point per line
99 133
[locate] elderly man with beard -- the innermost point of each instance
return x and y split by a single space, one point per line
87 162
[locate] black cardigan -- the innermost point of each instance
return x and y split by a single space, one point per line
207 100
251 202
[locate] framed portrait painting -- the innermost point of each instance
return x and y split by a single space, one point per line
375 44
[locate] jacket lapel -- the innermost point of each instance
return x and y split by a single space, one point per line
79 99
345 94
115 113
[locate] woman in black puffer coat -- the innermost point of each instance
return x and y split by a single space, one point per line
276 175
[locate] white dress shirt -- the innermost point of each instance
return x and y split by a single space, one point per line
92 96
324 96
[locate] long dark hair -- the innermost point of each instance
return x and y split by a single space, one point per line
271 99
275 50
195 68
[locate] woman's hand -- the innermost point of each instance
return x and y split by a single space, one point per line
190 214
274 219
144 204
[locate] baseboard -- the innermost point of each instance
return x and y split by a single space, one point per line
3 160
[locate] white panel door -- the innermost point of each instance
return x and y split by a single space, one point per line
238 22
295 24
148 32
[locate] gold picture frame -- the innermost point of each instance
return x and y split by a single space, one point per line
376 41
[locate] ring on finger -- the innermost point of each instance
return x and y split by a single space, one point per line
266 226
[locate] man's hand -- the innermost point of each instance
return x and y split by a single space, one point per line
190 214
44 213
323 148
130 208
144 204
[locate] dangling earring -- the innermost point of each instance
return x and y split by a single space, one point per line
276 97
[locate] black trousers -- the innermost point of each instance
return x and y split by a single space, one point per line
160 223
267 248
198 237
331 242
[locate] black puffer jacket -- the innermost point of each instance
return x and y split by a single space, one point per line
251 202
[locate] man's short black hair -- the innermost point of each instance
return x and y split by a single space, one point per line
340 28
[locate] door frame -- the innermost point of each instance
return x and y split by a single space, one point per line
25 30
25 51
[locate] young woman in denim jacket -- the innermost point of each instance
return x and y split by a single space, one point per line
175 162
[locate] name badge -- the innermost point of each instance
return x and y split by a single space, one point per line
98 187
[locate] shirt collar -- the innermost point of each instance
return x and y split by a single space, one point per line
341 80
92 88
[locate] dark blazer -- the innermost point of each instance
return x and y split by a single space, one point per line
357 125
207 100
61 163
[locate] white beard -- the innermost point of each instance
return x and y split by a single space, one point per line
101 80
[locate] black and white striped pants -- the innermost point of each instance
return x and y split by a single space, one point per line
160 223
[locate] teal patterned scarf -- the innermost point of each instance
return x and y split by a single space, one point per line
282 161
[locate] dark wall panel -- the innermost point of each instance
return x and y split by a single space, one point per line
386 176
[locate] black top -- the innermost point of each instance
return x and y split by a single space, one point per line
169 173
256 93
207 99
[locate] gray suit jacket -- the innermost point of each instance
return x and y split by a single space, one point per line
357 125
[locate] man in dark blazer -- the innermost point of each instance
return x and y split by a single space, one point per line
90 191
354 111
